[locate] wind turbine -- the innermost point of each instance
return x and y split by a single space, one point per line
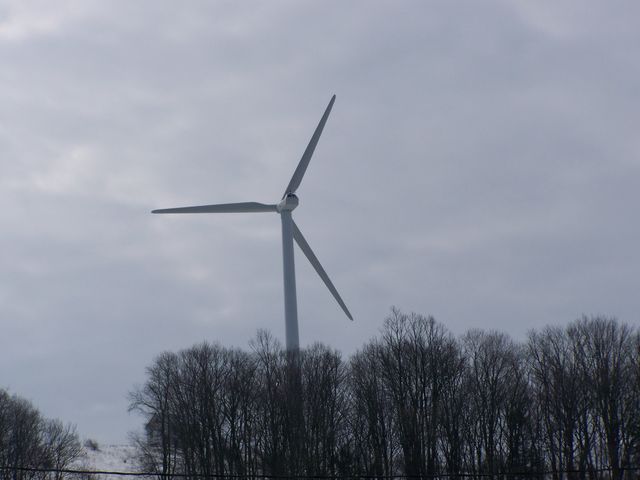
290 232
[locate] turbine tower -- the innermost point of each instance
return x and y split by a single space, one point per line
290 232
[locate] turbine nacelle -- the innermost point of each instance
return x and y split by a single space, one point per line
288 203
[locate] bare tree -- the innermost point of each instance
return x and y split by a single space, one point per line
158 449
238 410
271 404
371 415
604 349
454 414
414 401
61 446
499 401
324 377
555 375
27 440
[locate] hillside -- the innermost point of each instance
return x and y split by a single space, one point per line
109 458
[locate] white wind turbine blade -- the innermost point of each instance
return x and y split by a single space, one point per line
306 249
294 183
243 207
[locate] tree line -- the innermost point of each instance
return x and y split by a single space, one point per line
414 401
28 440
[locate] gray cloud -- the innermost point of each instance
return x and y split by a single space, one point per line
481 165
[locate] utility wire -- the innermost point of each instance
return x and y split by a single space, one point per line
310 477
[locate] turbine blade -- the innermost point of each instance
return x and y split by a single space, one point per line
294 183
243 207
306 249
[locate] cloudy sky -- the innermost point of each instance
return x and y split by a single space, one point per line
481 164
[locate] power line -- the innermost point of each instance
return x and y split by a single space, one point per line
313 477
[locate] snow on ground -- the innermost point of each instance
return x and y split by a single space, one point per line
110 458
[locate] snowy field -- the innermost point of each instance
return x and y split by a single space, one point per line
110 458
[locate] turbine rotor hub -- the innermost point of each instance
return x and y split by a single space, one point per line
289 202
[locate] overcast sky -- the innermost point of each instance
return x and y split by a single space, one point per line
481 165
